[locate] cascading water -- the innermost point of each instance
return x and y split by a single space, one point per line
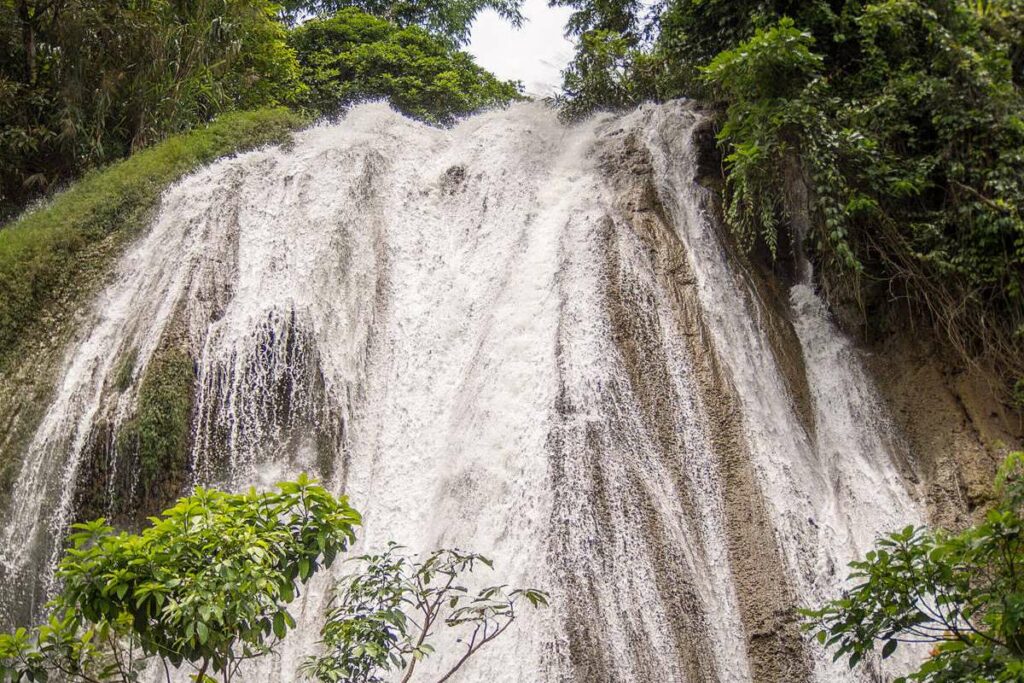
517 337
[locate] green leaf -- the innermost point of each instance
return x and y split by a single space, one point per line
279 625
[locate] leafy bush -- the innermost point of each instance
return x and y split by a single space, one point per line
963 592
207 584
354 56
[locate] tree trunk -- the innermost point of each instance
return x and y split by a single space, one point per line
28 39
201 676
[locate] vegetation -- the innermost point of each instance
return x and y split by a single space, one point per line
353 56
159 434
963 593
207 585
446 20
86 82
384 615
902 118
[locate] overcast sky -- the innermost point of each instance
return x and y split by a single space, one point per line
533 54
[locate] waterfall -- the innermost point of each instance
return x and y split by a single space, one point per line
518 337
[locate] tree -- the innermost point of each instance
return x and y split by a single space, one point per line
605 73
963 593
385 614
354 56
446 20
207 585
32 16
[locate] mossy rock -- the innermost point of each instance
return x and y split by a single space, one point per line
159 436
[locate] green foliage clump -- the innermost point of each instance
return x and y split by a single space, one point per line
762 78
963 593
901 118
45 252
607 72
355 56
447 20
206 585
159 434
909 128
383 616
664 45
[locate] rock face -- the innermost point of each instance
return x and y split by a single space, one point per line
950 419
529 340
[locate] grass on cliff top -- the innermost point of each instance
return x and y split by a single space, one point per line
47 251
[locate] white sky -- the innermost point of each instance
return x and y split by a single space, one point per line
534 54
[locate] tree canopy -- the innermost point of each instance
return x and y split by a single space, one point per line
446 20
355 56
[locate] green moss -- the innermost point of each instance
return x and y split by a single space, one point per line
47 253
160 433
123 378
